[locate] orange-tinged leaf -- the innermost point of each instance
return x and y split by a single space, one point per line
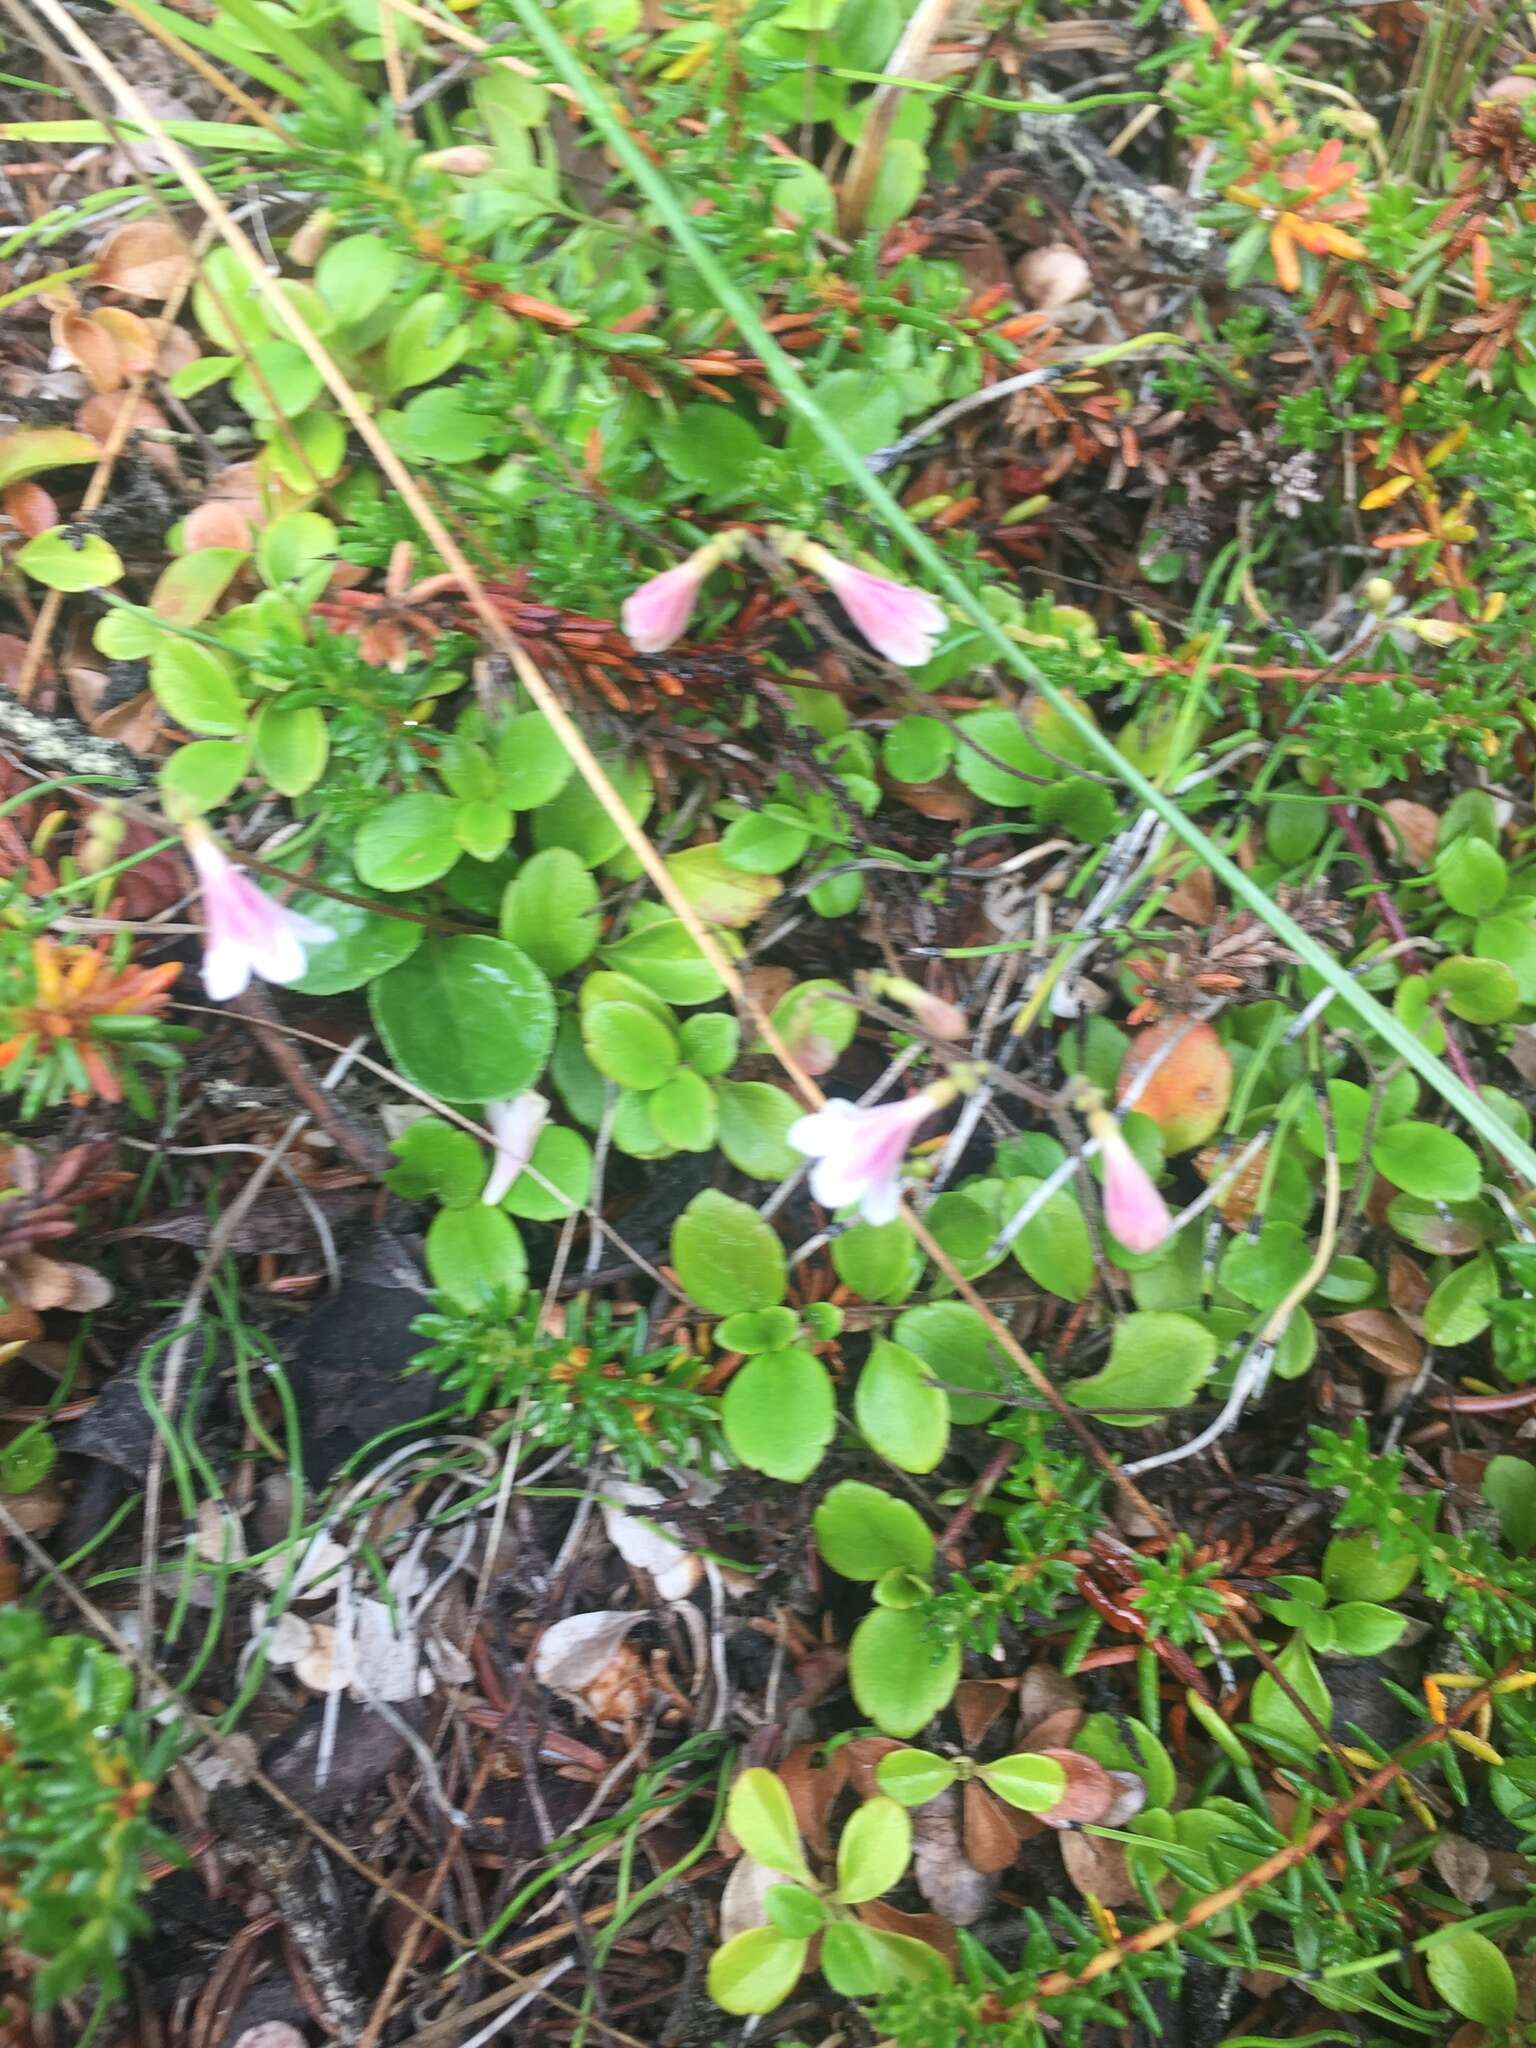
1282 246
38 448
144 260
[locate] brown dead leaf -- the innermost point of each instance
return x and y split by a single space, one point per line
813 1788
143 260
34 1281
1090 1794
940 800
954 1887
89 347
30 509
98 415
1194 899
217 524
39 1509
1098 1868
1408 1288
863 1755
1239 1199
977 1704
137 723
1419 827
1043 1691
920 1926
1056 1731
132 336
990 1842
18 1326
1463 1868
1384 1338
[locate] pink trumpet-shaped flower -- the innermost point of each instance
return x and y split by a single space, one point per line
1133 1209
658 612
515 1123
899 622
246 931
859 1152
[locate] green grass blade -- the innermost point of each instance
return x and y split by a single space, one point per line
214 43
798 396
209 135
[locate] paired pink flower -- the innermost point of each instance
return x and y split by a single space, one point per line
859 1153
657 613
899 622
1133 1209
515 1123
246 931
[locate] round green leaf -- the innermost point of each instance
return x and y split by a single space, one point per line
1424 1160
779 1413
760 1815
476 1257
710 1042
1509 1487
549 909
903 1415
424 343
873 1852
363 944
1262 1270
754 1117
1053 1247
726 1256
865 1533
532 766
356 275
999 743
469 1020
1355 1569
437 1159
916 749
1362 1629
879 1261
291 744
65 558
1460 1308
1468 1972
1481 991
683 1111
1349 1109
561 1157
956 1346
914 1776
1272 1710
629 1045
1156 1360
757 1329
205 772
795 1911
278 382
408 842
755 1970
901 1675
1512 939
658 950
1034 1784
1471 876
574 818
197 687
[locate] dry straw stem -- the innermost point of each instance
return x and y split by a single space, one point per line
590 768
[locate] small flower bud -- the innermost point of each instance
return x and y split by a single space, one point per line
310 237
462 160
1378 595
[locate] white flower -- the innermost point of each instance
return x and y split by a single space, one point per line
859 1153
515 1123
246 931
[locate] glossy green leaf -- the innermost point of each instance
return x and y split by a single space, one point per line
468 1019
900 1673
759 1814
407 842
904 1417
1422 1159
726 1256
863 1532
873 1851
779 1413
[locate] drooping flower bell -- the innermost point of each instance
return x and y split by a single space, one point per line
1133 1208
246 931
657 612
515 1123
859 1153
899 622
